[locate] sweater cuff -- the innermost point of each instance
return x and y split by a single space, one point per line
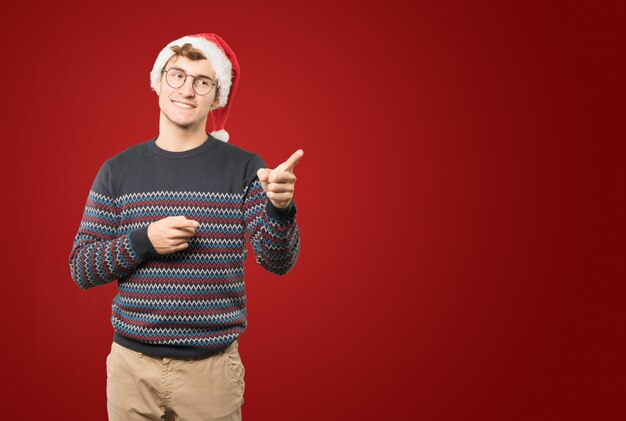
141 243
278 213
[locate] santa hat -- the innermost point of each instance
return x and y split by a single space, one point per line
223 60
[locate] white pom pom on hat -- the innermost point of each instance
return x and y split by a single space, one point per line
223 60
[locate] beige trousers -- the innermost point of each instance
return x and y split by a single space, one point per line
141 387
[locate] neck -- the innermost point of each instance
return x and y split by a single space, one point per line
175 138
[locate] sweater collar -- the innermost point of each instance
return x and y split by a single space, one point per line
184 154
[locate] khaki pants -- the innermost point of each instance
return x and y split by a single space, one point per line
141 387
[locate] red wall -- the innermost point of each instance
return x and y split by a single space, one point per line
461 202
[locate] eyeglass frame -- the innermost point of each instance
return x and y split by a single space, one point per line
185 80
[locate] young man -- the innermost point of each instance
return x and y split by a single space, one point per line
167 219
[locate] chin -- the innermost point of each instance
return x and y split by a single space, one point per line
185 124
182 121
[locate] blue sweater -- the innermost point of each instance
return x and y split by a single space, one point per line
190 303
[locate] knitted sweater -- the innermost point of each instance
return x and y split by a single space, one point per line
190 303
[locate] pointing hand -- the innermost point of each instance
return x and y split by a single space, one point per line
279 183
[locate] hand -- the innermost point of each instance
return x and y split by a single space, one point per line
279 183
172 234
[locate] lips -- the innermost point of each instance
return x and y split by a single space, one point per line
183 105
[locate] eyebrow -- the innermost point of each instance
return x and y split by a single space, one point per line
183 70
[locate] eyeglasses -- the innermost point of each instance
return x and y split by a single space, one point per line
176 78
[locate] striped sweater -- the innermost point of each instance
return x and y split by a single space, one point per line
190 303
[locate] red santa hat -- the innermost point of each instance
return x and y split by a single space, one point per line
223 60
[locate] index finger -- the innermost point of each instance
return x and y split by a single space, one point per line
291 162
183 222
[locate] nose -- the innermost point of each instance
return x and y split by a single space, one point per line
187 88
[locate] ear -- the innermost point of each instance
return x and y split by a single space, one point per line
215 104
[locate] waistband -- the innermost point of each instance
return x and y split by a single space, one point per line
169 351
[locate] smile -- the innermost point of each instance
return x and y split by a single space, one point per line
183 105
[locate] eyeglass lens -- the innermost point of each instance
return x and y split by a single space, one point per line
176 78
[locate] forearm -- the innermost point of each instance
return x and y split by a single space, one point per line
274 235
98 257
102 252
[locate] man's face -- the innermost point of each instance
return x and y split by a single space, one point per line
182 106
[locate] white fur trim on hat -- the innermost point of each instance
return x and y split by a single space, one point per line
215 55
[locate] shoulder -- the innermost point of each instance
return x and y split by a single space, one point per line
117 162
236 153
246 161
130 155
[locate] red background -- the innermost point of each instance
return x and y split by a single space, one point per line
461 202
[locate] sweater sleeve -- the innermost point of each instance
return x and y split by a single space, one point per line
273 232
99 255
